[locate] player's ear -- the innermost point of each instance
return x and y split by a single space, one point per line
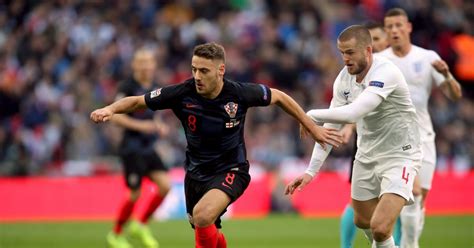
221 69
368 49
410 27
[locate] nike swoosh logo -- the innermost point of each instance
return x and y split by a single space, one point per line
225 185
190 105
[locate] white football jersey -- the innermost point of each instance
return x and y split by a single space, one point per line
420 76
390 131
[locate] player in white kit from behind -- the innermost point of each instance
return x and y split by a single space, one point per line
371 91
423 69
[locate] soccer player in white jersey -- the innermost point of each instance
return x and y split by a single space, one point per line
372 92
347 227
423 69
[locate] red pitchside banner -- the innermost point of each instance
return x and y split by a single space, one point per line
98 198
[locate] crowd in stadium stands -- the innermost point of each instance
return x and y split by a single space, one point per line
61 59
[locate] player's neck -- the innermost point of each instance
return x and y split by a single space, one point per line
402 51
215 92
144 82
361 76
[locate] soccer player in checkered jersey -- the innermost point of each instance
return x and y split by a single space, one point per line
371 91
423 70
212 111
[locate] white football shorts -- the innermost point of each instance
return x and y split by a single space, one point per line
394 175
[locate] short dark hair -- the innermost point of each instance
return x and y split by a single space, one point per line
210 51
359 32
373 25
396 12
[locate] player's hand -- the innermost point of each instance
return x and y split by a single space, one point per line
101 115
441 67
347 132
323 135
298 183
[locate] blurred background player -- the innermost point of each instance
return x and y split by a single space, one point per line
138 154
212 110
347 227
372 92
423 69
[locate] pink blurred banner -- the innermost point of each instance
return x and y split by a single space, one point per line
98 197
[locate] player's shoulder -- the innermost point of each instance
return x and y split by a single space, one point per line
423 52
185 88
383 68
383 63
237 86
386 53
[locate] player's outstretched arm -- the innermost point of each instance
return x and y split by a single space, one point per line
122 106
450 87
365 103
321 135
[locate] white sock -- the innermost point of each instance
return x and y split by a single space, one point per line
389 243
410 217
368 235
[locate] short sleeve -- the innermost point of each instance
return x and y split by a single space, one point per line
384 80
255 94
164 98
437 77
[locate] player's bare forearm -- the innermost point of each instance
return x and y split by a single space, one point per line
290 106
451 88
319 134
122 106
128 105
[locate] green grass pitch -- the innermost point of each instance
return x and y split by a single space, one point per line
275 231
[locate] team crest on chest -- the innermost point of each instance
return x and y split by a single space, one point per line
418 66
231 109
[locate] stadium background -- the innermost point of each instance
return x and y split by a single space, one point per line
61 59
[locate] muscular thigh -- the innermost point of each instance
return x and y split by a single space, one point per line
232 184
387 210
363 211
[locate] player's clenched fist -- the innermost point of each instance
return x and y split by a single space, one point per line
101 115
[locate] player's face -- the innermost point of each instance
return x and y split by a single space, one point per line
143 66
379 39
398 30
208 75
354 55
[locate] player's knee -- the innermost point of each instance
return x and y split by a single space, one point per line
380 230
416 191
361 222
203 216
164 189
